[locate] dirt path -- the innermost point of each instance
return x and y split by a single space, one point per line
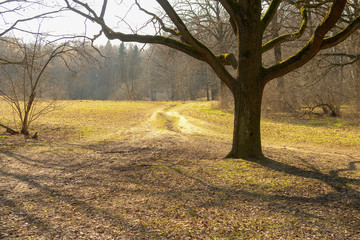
166 179
174 122
185 126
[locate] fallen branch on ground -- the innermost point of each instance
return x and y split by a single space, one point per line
9 130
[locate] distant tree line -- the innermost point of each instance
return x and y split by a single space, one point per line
124 72
249 45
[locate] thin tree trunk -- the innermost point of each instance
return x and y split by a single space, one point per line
357 85
25 121
280 86
207 91
225 96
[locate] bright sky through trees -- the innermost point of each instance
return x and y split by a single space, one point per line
123 12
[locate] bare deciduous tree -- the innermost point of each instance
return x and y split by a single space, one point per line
23 72
249 21
208 21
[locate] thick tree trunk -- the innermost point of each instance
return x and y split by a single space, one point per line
248 87
247 114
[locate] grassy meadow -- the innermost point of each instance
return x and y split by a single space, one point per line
155 170
322 131
73 120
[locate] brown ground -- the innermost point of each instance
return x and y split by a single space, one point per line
166 179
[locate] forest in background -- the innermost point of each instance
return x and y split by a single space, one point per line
130 72
94 169
125 71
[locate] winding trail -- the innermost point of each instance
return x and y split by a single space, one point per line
178 125
149 180
169 120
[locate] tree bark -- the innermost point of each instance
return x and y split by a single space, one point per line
247 113
248 87
26 121
357 85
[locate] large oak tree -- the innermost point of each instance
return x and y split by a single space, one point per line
249 20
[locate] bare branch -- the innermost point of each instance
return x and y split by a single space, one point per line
102 14
159 20
191 46
269 14
342 35
312 47
18 21
288 37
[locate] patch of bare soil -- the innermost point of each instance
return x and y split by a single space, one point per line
167 180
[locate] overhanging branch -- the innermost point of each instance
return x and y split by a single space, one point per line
269 14
191 46
342 35
288 37
213 61
312 47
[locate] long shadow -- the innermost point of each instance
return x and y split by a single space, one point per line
40 164
339 184
43 226
332 179
284 203
85 207
233 194
74 168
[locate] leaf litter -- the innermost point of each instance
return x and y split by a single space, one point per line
157 182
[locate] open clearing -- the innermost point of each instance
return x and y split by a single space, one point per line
155 170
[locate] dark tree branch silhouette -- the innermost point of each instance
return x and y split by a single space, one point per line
249 24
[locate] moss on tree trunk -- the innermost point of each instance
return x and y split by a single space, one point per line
247 114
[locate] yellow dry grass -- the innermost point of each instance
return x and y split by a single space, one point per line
142 170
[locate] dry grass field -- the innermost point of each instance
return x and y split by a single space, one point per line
155 170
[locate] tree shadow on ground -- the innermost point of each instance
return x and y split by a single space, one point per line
336 182
339 184
343 197
122 164
46 190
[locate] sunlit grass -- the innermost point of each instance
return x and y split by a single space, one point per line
84 119
176 185
324 131
287 132
88 119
